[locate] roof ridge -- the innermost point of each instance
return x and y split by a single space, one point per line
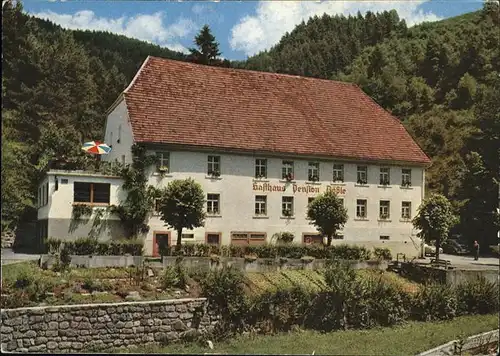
253 71
137 74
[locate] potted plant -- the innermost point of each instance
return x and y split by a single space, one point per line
384 181
362 181
338 179
406 184
289 177
260 176
163 169
313 178
287 212
214 173
384 216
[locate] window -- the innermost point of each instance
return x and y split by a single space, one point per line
213 206
384 210
313 171
91 193
361 208
260 168
384 237
406 210
406 177
287 206
163 164
187 236
385 176
338 172
213 239
248 237
260 205
362 174
64 181
214 165
313 239
287 170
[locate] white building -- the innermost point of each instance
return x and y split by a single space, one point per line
255 129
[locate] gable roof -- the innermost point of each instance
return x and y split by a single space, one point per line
189 104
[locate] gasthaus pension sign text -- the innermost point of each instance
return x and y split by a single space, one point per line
295 188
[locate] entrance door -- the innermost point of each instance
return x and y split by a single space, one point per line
157 235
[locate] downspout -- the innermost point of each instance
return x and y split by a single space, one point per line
422 249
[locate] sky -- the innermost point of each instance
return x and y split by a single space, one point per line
243 28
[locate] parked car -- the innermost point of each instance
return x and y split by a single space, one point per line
430 250
454 247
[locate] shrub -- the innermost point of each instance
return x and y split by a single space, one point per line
382 253
91 246
174 276
84 246
286 237
434 302
226 296
52 245
478 297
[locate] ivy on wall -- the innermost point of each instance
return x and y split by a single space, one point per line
135 209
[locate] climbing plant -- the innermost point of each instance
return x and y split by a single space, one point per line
135 209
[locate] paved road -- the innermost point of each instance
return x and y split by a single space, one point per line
468 261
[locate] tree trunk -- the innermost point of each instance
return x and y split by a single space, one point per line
179 238
329 241
438 245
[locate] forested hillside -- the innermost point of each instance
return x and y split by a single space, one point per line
441 79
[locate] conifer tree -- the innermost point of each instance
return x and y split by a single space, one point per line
208 48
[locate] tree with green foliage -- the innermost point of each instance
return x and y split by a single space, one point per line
182 206
328 214
435 218
208 48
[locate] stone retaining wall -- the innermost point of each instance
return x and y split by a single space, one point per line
74 328
265 264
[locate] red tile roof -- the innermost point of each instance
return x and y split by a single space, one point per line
183 103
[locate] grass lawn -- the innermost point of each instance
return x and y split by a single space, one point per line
408 339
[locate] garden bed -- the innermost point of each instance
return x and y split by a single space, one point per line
26 284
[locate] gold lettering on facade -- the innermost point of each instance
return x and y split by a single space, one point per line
267 187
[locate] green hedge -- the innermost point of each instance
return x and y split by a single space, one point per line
91 246
296 251
347 302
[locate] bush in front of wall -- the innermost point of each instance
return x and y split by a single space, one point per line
477 297
382 253
291 251
434 301
89 246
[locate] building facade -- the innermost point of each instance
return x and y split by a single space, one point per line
260 160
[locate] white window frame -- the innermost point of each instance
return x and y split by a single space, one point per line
406 176
260 205
362 174
163 160
287 204
338 172
384 210
212 203
361 208
260 168
213 164
286 169
385 176
406 210
313 171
